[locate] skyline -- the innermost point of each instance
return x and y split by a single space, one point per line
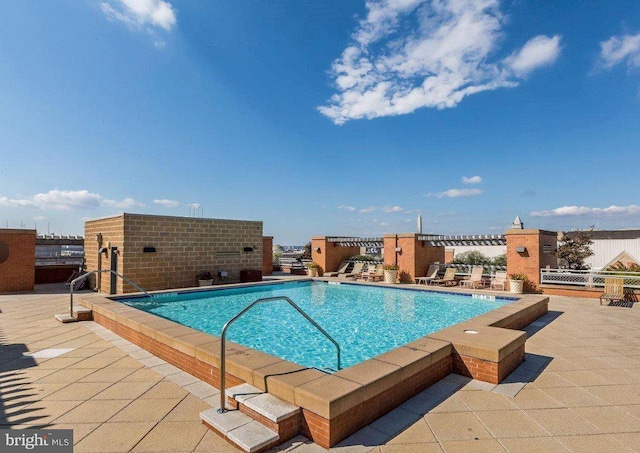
355 117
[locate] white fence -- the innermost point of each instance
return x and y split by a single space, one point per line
588 278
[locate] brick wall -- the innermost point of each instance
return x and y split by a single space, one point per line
183 246
18 256
328 255
540 248
267 255
415 256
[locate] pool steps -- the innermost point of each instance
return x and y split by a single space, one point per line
257 421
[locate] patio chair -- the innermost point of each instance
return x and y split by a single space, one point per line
500 279
341 270
449 278
432 273
376 274
613 290
475 281
357 270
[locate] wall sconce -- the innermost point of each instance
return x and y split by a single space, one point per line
521 249
398 249
317 249
248 249
148 250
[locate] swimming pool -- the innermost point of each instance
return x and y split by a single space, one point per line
365 320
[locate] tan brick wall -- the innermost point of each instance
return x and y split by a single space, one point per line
17 272
184 246
534 258
267 255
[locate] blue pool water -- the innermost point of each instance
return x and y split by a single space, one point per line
366 321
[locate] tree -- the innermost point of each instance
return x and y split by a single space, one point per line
575 249
306 255
500 260
472 258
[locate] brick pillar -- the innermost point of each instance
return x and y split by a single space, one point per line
328 255
17 260
528 251
267 255
414 257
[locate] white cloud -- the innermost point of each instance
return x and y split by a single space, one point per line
471 180
456 193
167 203
65 200
619 48
127 203
389 209
347 208
537 52
367 210
141 13
410 54
586 211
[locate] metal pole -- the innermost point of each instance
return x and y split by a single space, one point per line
223 334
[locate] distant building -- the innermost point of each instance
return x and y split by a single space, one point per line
609 244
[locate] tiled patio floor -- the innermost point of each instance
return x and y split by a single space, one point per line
117 397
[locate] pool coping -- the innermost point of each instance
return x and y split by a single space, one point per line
335 405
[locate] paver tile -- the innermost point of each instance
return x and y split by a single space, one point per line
172 436
456 426
114 437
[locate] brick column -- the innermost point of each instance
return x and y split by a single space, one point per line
528 251
328 255
414 257
17 260
267 255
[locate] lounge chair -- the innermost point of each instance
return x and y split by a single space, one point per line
376 274
475 281
341 270
449 277
500 279
357 270
613 289
432 273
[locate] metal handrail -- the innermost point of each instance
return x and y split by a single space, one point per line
83 276
223 405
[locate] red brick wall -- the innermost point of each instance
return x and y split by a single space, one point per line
17 272
329 255
267 255
534 258
415 257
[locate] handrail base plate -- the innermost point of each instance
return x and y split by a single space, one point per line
65 318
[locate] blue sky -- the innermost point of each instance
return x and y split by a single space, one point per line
322 117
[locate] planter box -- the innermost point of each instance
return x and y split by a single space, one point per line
390 276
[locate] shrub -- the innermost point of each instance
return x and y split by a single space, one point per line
204 275
472 258
313 266
521 277
391 267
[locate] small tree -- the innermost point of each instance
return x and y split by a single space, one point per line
306 254
574 250
472 258
500 260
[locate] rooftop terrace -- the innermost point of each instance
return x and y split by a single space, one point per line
579 389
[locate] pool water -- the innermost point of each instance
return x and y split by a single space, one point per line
366 321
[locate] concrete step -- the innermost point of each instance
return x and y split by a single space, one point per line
240 429
267 405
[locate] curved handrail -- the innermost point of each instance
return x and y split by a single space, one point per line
83 276
246 309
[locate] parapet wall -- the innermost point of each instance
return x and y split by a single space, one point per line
17 260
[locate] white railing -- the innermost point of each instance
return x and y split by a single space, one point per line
588 278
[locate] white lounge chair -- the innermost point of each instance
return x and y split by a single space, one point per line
432 274
475 281
499 280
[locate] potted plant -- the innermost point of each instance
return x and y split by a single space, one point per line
204 278
312 269
391 273
516 283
